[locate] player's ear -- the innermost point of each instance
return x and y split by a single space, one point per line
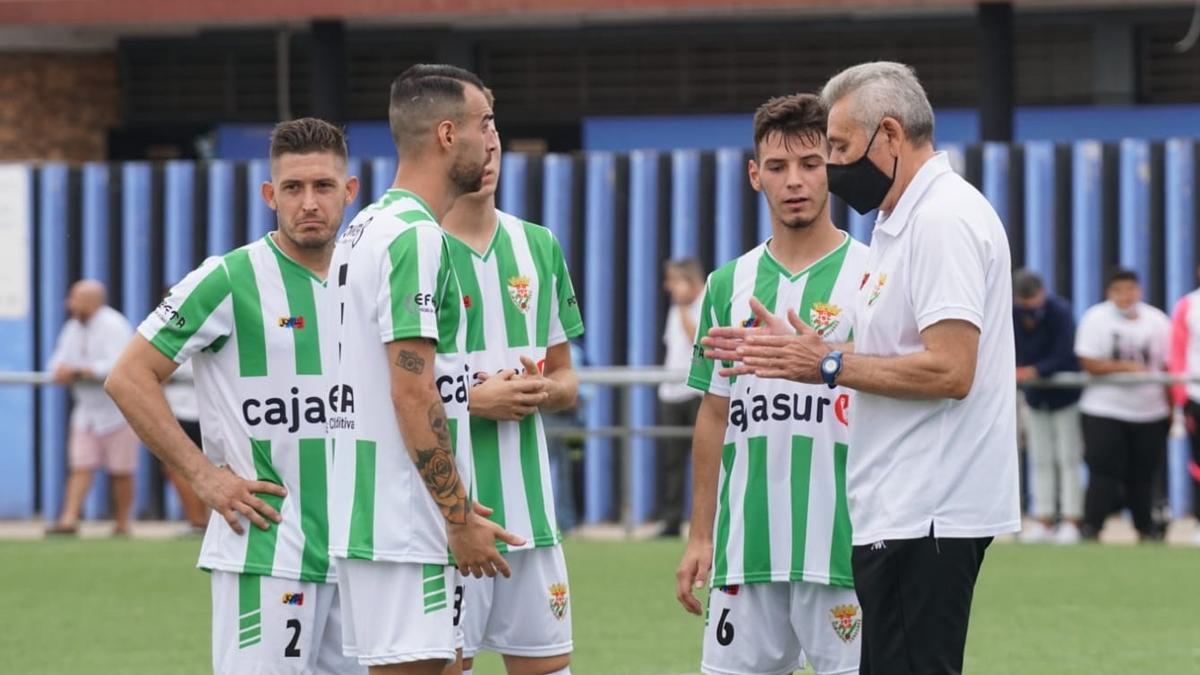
446 134
268 194
351 189
752 170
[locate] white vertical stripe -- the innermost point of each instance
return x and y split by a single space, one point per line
735 551
820 507
516 509
779 500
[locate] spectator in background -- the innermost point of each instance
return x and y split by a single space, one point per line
1045 338
87 347
1185 360
1124 427
678 404
181 396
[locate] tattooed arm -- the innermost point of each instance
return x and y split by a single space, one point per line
426 434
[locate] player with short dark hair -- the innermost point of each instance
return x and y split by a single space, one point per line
253 322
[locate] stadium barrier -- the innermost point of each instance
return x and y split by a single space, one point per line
1071 210
626 432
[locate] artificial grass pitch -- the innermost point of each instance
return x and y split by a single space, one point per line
126 607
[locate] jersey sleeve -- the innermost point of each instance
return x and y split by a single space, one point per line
566 323
948 270
407 300
197 314
703 375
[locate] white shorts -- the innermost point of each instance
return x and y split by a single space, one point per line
273 626
769 629
527 614
399 612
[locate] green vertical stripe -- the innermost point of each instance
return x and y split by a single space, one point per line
801 475
462 258
247 315
362 509
721 563
766 281
260 544
314 510
449 305
540 249
756 510
433 587
485 449
515 326
192 312
303 307
822 277
404 284
531 474
249 610
840 572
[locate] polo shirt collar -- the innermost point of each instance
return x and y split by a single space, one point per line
894 222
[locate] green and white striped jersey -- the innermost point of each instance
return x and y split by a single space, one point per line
263 360
394 282
521 302
782 513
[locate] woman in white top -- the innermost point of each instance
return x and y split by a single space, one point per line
1125 428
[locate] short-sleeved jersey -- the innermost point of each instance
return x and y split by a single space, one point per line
520 301
393 282
782 513
261 350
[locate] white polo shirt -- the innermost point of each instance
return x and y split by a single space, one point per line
1104 333
941 254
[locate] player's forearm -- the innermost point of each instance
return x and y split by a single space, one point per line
1109 366
138 393
919 375
426 434
564 392
707 442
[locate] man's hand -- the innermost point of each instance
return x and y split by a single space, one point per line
725 343
229 495
693 574
63 374
473 544
507 397
1026 373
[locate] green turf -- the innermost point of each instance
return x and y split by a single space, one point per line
134 607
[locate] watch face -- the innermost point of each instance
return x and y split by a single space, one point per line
830 365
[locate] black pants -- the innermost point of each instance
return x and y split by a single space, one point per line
916 603
1191 411
673 456
1123 460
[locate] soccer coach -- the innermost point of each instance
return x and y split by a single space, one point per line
932 468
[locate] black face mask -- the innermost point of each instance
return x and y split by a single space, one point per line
860 183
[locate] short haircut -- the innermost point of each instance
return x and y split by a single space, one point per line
690 267
884 89
1120 274
1026 284
798 116
422 97
307 135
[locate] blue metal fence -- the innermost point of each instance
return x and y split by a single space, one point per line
1074 210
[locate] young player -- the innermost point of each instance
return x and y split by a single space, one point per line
521 315
264 359
770 455
399 503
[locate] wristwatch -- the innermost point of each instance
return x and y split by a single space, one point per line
831 367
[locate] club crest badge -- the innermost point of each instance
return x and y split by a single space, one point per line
824 317
558 600
846 621
880 281
519 293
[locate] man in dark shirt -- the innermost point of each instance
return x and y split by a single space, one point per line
1045 339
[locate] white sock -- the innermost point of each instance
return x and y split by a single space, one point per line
467 672
564 671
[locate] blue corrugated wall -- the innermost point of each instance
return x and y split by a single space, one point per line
1072 210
